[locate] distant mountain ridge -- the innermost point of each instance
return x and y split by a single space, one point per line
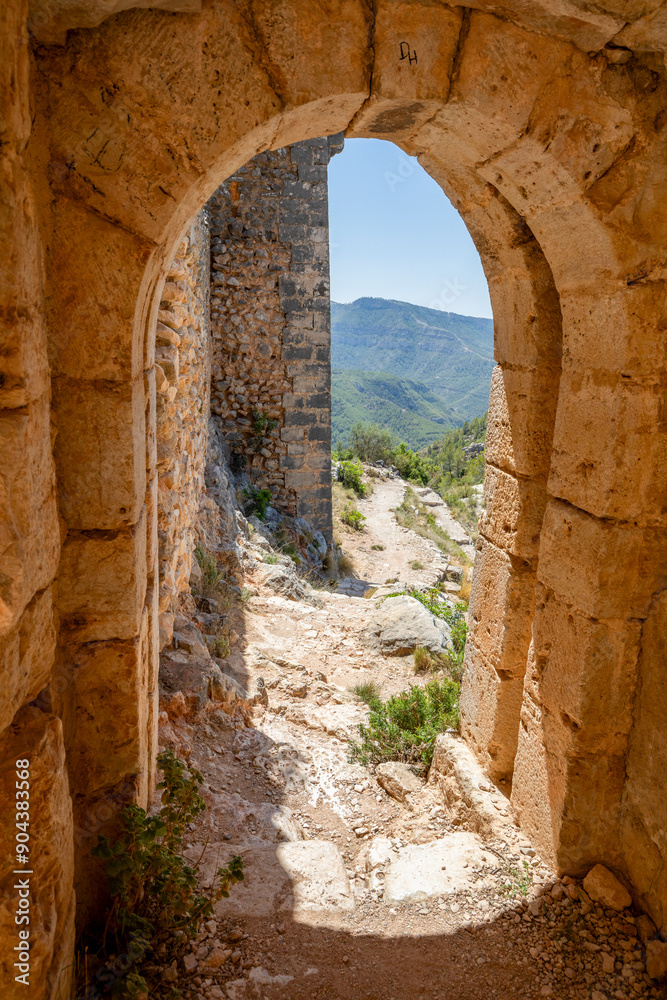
408 409
451 355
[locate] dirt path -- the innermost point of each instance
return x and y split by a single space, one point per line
385 552
351 894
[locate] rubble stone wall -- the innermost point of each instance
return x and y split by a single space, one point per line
271 324
182 380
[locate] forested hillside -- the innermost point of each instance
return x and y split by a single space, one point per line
451 355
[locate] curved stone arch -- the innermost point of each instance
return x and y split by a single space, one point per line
487 107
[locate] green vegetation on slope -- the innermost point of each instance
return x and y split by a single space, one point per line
454 475
442 465
410 410
451 355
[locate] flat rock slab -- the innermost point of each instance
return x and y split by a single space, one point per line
317 875
422 871
400 624
303 877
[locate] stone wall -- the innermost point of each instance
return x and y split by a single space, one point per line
270 324
182 367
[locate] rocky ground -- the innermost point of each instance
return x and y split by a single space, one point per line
363 885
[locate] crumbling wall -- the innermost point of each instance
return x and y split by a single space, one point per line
182 380
271 326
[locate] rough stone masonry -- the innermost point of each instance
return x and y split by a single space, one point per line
270 324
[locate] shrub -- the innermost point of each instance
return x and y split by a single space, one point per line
219 646
405 727
212 577
371 444
378 548
349 474
416 564
258 500
353 518
455 618
154 890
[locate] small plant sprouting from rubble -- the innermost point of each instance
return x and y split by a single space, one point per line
368 691
211 577
155 892
519 881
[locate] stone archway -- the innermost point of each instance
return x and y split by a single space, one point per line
548 136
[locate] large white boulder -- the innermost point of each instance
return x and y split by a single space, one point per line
400 624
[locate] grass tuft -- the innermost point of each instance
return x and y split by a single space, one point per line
368 691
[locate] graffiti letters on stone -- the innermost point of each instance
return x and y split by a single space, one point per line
407 54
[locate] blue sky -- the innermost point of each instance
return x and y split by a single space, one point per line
395 235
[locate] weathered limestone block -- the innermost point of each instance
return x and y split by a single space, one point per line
604 888
111 687
502 107
501 603
29 533
609 456
490 709
26 656
522 405
628 321
644 821
38 737
526 314
567 796
402 100
94 419
514 510
607 570
587 671
102 583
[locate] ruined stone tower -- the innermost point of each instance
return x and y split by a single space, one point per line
270 324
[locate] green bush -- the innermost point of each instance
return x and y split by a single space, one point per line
353 518
370 443
405 727
154 890
349 474
258 500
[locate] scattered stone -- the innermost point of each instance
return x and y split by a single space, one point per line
656 959
317 873
397 780
418 872
216 958
604 888
400 624
645 928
